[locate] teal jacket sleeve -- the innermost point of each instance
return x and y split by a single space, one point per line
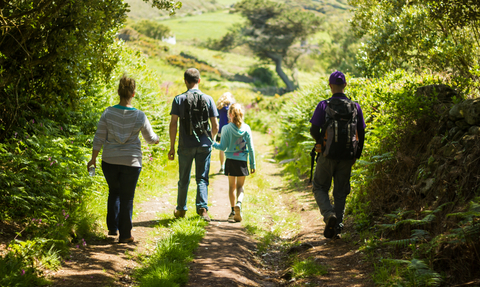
251 150
224 140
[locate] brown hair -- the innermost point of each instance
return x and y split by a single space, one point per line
236 114
192 75
126 87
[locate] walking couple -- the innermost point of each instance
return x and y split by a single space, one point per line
235 141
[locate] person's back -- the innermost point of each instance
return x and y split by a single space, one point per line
335 164
192 147
237 143
117 132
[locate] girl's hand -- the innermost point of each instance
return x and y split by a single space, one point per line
252 170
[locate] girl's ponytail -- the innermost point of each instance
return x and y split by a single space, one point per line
236 114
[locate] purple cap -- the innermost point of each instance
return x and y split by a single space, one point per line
337 78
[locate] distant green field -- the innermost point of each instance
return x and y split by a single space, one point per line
139 9
209 25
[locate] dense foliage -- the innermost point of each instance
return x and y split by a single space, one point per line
60 66
402 155
438 35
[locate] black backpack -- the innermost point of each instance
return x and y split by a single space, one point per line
195 115
339 133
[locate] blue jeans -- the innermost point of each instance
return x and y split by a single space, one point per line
201 155
340 171
122 181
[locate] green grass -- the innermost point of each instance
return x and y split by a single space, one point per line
201 27
168 265
308 268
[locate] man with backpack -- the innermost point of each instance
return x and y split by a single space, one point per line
338 128
198 126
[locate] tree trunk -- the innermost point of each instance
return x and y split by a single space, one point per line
278 68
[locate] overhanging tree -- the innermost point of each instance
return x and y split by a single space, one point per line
273 28
52 52
439 35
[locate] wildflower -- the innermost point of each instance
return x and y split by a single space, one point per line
16 134
33 121
49 158
269 131
61 128
286 143
77 246
23 272
84 243
41 124
51 163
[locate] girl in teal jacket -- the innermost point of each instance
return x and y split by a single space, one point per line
237 143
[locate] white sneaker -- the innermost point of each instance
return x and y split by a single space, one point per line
231 217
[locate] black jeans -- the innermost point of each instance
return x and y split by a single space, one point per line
122 181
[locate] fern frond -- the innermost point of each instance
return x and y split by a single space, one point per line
420 233
402 242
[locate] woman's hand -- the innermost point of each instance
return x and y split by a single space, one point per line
92 162
252 170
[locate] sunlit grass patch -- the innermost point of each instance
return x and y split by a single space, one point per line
307 268
266 208
168 265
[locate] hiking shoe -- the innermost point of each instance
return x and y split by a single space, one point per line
112 233
238 213
329 231
179 213
126 240
221 171
203 214
231 216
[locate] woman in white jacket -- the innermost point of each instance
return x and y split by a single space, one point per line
117 132
237 143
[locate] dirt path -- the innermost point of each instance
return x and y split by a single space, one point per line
106 262
226 256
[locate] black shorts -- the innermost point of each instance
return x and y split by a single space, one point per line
236 167
217 138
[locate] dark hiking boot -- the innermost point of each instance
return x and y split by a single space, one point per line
329 231
203 214
179 213
126 240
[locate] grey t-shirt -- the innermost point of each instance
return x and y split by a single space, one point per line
185 140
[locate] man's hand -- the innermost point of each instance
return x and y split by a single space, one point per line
252 170
171 154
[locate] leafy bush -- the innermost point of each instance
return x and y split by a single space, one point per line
263 76
185 63
46 188
152 29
